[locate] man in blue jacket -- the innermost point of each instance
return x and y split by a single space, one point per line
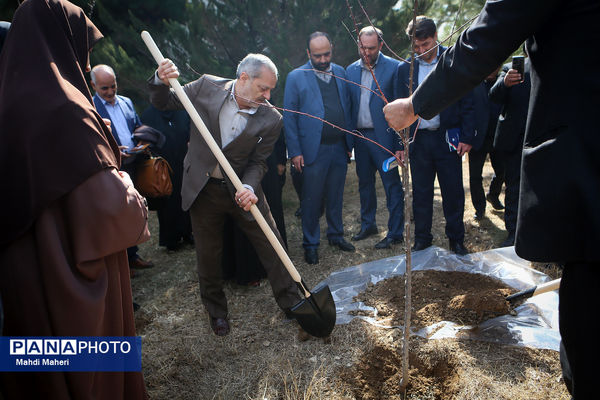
119 109
439 143
317 149
367 117
124 120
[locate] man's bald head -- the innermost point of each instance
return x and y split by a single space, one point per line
104 82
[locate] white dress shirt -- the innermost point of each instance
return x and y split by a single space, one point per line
119 122
424 69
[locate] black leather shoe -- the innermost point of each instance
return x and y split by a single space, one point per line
220 326
365 233
387 242
479 215
342 244
458 248
509 241
495 202
421 246
311 256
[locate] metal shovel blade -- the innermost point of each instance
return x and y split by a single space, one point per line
316 313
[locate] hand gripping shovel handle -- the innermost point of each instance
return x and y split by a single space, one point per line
214 147
535 290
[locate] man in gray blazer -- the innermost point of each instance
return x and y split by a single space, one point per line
238 115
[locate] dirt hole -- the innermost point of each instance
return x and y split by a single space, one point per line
377 375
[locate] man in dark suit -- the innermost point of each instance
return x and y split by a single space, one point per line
243 124
367 118
124 120
174 224
511 92
318 150
486 118
559 217
439 143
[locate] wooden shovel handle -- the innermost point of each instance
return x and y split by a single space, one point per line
214 147
535 290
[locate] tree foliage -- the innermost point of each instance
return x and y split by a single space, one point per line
222 32
212 36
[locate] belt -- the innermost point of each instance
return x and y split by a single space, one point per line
429 130
216 181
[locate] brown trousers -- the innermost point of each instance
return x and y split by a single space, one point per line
208 216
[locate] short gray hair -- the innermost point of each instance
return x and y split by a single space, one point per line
253 63
106 68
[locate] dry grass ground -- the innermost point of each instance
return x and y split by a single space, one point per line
263 357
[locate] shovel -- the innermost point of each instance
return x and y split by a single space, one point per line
534 290
316 313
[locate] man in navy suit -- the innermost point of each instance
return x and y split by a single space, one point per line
486 118
439 143
318 150
367 117
124 120
511 92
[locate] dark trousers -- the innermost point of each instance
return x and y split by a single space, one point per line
369 159
578 304
239 259
323 183
272 186
476 162
132 253
431 156
512 178
296 181
208 217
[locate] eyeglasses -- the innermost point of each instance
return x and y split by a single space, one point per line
108 87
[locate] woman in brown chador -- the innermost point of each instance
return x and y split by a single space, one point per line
67 214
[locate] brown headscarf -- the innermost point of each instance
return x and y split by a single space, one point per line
51 137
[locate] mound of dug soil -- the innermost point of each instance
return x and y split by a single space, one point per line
459 297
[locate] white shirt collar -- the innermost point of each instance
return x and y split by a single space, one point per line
108 103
